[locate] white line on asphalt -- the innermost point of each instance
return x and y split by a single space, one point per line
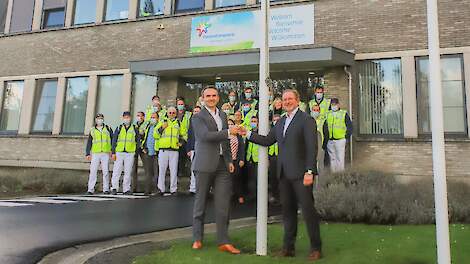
40 200
122 196
12 204
82 198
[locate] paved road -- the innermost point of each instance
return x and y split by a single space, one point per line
32 228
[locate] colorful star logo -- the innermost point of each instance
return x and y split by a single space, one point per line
202 28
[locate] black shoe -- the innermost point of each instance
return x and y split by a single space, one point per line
192 193
89 193
114 191
174 193
107 192
128 193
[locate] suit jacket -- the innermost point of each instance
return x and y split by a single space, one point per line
208 140
297 149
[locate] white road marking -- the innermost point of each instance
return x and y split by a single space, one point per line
12 204
82 198
121 196
40 200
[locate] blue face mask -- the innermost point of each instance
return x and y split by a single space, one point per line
180 107
246 108
253 125
334 108
247 95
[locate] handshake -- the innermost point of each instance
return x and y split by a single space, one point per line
237 130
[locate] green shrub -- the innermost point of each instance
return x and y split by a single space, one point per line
378 198
39 181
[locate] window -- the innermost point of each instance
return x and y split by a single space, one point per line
151 7
117 9
110 98
22 16
85 12
53 13
452 91
189 5
44 106
380 95
227 3
11 107
3 15
143 88
76 95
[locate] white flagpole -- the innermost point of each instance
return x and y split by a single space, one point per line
262 197
437 127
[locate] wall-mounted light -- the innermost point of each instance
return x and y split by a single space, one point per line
311 73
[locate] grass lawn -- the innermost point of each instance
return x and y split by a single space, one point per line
342 243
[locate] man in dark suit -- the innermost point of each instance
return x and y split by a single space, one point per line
296 136
212 165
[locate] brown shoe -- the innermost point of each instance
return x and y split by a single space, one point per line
314 256
229 248
286 253
197 245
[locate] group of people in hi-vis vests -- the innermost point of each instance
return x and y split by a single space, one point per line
163 139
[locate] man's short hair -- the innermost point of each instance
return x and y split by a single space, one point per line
294 91
197 106
140 112
155 97
209 87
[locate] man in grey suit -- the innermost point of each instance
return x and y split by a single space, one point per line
212 165
296 136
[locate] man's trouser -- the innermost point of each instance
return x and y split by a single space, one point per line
135 181
183 161
96 159
320 160
192 182
168 158
127 160
222 186
293 194
252 180
151 171
273 182
336 151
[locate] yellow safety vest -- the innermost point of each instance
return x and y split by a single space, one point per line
336 124
185 125
101 140
126 139
149 111
252 152
273 150
247 118
170 137
324 106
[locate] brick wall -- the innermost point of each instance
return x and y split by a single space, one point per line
411 158
360 25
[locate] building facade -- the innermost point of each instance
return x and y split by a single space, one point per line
62 61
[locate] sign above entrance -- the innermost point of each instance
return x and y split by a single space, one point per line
237 31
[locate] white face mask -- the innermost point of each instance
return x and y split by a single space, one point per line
99 121
232 98
334 108
153 121
227 111
315 114
126 121
319 96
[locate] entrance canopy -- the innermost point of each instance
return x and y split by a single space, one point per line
241 65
